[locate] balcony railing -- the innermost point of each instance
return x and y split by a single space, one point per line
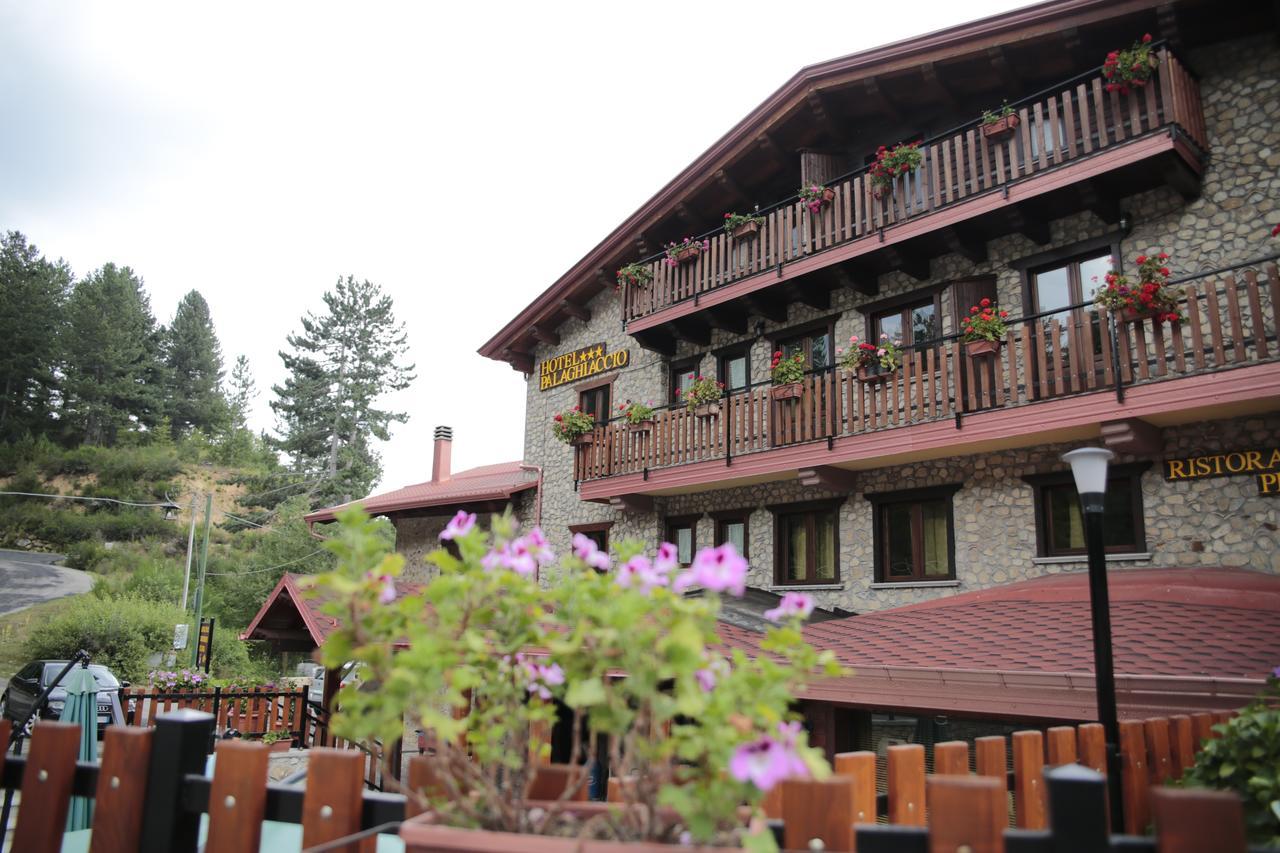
1077 121
1229 320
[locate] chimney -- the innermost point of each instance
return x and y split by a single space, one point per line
444 450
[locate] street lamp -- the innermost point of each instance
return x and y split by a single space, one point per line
1089 467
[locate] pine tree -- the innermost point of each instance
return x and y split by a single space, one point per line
194 360
340 365
241 393
33 295
111 346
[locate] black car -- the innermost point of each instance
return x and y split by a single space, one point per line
25 688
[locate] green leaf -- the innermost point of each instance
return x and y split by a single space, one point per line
1226 770
584 694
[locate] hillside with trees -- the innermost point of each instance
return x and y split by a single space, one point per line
115 426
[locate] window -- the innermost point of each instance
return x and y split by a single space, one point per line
682 376
911 324
595 402
1060 526
914 535
682 532
735 369
813 342
732 527
597 533
1068 283
806 545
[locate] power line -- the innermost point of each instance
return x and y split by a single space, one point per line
267 569
170 504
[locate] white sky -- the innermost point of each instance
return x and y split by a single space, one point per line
461 155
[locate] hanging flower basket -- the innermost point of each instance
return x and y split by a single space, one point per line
815 196
688 254
981 349
641 426
706 410
787 391
686 251
587 438
746 230
1000 128
742 226
874 374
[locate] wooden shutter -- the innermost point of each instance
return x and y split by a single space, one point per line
967 292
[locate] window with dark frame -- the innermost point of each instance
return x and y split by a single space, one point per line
1060 525
734 368
914 535
597 532
806 543
910 324
1066 281
682 376
732 527
682 531
814 342
595 402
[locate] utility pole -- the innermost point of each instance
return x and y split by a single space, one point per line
191 539
204 562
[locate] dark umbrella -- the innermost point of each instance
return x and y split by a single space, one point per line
82 707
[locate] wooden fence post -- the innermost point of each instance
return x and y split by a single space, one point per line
1181 743
990 758
818 810
1157 732
1092 744
333 802
1135 782
46 786
122 789
179 747
861 768
966 813
1061 744
237 797
951 758
1201 728
1028 780
1078 808
1191 821
906 785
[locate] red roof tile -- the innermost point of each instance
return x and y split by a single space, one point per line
486 483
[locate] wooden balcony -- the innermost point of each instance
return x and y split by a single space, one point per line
1054 378
1079 147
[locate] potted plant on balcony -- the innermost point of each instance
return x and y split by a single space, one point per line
1150 297
278 741
694 732
639 415
685 251
999 124
574 426
816 196
787 373
1125 70
703 396
874 362
890 164
742 226
635 274
984 329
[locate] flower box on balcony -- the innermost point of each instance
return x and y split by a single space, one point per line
688 254
706 410
874 374
786 391
421 834
641 426
1001 128
746 231
981 349
587 438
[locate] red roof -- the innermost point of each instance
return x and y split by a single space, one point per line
290 613
476 485
1183 639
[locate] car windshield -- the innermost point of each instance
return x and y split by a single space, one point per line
100 674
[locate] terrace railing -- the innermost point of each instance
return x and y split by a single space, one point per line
1078 120
1229 320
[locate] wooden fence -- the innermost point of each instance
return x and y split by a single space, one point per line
151 792
1063 128
1230 319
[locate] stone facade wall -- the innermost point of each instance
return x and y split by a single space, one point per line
418 536
1208 522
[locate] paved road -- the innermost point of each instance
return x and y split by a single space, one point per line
27 578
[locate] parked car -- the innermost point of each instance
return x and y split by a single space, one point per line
25 688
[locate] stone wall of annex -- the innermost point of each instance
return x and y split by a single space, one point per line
418 536
1211 522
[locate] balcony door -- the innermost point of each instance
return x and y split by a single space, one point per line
1063 291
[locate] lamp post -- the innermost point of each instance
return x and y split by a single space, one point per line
1089 467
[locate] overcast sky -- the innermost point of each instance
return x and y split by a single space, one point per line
462 155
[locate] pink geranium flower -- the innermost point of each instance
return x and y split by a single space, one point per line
459 525
768 761
584 548
792 604
642 574
717 569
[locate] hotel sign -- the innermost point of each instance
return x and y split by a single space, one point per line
579 364
1264 465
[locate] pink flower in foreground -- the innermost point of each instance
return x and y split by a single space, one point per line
717 569
711 674
768 761
584 548
459 525
541 677
522 556
667 559
638 571
792 604
387 593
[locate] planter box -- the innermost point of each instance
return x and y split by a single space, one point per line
641 426
688 254
874 375
583 440
981 349
1133 315
280 745
789 391
1001 128
421 835
706 410
746 230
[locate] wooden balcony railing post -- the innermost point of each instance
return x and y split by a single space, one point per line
178 748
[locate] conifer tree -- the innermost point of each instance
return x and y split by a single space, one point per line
241 393
193 357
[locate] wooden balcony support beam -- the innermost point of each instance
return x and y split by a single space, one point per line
692 329
642 245
969 246
632 503
519 359
545 335
575 310
858 277
730 318
871 87
656 340
1105 206
1028 225
1000 62
821 118
768 305
811 292
687 216
936 85
769 147
1133 435
731 186
914 265
1170 31
827 477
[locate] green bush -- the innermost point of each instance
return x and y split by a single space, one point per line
86 555
120 633
1246 759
